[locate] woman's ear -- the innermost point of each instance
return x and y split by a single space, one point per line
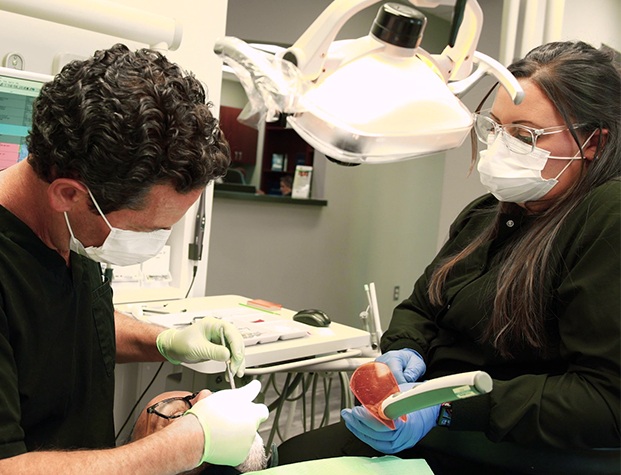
64 194
595 144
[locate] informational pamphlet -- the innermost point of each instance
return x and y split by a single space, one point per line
302 182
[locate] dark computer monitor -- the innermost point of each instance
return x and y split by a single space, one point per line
18 90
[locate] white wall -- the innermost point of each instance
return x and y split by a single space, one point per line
595 22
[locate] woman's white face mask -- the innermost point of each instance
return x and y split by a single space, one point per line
122 247
516 178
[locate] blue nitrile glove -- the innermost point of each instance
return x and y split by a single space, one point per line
230 421
383 439
202 341
406 365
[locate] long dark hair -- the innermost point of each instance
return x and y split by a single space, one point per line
584 85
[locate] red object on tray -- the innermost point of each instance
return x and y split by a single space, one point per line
265 305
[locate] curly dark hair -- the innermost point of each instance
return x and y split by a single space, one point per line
121 122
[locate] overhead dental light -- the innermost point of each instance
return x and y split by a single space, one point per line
377 99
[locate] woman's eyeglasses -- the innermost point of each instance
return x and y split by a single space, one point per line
172 407
487 129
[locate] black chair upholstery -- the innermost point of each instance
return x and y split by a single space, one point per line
512 458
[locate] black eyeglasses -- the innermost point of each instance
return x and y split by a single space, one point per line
172 407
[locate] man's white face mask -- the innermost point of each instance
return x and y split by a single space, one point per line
516 178
122 247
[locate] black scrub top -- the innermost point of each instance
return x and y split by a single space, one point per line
567 398
57 347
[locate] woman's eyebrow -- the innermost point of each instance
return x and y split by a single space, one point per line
525 122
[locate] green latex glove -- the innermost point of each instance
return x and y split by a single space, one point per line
230 421
201 341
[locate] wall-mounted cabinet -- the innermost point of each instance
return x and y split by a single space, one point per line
242 138
283 150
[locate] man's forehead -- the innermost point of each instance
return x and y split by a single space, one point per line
163 207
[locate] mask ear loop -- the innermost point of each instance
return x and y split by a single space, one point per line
566 167
68 225
580 150
569 160
572 131
599 147
98 208
600 142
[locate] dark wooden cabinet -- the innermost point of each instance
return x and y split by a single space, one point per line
283 149
242 138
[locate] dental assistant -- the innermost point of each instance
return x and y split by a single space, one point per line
527 288
122 144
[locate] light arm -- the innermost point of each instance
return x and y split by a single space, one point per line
309 52
460 55
488 65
